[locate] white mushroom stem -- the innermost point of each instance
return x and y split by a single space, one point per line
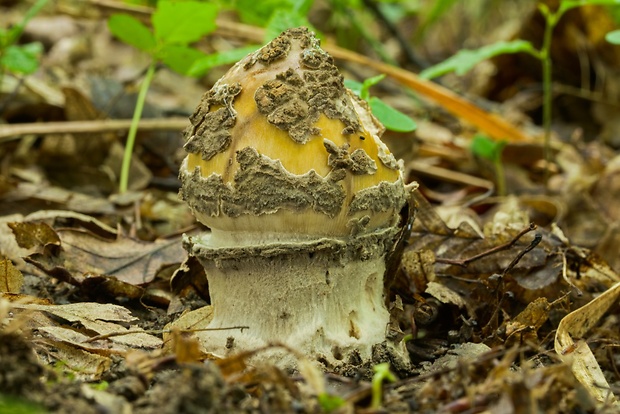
324 298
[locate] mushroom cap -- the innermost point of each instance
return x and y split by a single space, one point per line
280 146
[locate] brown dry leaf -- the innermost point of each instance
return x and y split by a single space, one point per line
73 312
527 323
418 266
105 320
186 347
84 365
8 246
537 269
11 279
196 319
79 341
446 295
86 221
14 234
60 197
132 261
578 354
29 235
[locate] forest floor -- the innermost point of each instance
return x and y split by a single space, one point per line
506 288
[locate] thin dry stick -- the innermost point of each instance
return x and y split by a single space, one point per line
15 131
465 262
157 332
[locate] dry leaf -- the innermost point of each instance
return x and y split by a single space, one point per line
583 363
132 261
84 365
11 279
98 319
527 323
196 319
79 341
88 222
30 235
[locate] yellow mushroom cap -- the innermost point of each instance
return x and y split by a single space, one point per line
279 145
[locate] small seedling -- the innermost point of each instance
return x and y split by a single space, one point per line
330 403
175 26
491 150
23 59
613 37
382 374
15 405
391 118
464 60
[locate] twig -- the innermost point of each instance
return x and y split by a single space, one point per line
449 175
505 246
533 243
15 131
157 332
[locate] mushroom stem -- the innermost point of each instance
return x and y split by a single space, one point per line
324 298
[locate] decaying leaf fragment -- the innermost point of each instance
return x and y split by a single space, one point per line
509 257
132 261
583 363
94 319
525 325
11 279
29 234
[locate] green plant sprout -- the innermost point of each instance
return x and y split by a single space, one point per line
464 60
382 373
175 26
15 58
16 405
275 16
330 403
391 118
613 37
491 150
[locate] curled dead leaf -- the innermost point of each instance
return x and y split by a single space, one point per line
583 363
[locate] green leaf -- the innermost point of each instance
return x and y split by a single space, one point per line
466 59
131 31
487 148
391 118
16 31
260 12
355 86
16 405
22 59
329 402
208 62
183 22
179 58
361 89
613 37
364 93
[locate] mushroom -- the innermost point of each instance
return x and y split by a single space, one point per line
286 168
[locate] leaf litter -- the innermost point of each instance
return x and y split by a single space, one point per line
495 312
